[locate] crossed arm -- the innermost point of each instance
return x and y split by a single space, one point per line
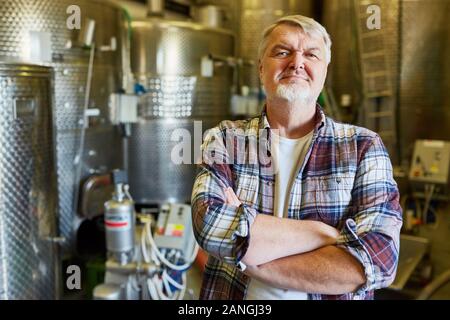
316 267
364 255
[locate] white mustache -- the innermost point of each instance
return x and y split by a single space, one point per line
301 74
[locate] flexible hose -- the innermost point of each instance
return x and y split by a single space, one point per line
162 258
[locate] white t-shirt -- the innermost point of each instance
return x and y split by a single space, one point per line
288 156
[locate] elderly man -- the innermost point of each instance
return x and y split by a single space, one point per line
321 218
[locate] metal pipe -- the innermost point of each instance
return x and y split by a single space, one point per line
131 268
431 288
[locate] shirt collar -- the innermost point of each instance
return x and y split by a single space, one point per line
319 118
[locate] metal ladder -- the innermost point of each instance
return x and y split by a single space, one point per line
379 105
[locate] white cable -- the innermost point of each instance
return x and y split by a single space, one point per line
172 281
163 259
152 256
126 189
134 283
182 287
144 247
152 289
144 250
183 291
167 286
155 259
154 284
158 285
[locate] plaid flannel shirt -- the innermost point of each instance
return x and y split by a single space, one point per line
346 181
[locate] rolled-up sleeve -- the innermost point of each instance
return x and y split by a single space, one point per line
221 229
372 232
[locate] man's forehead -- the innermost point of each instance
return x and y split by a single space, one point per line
284 33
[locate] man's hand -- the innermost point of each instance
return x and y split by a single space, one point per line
231 197
284 237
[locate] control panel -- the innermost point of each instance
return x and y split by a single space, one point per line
430 162
174 228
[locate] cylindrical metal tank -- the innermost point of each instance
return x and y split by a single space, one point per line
411 29
364 65
343 72
166 60
424 106
339 18
48 32
28 195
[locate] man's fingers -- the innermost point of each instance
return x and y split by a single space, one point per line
231 197
228 197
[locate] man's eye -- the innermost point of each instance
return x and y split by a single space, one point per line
312 55
282 54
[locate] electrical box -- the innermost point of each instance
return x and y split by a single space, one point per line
430 162
174 229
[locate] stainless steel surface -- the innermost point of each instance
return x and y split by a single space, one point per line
154 178
343 71
119 228
354 79
28 257
166 61
425 78
163 47
420 80
209 15
231 11
23 19
155 7
97 189
253 18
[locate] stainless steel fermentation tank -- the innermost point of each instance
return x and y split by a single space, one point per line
166 59
45 32
28 203
416 42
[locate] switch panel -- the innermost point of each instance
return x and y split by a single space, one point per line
430 162
174 229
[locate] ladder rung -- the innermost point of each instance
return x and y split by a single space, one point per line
371 34
376 74
380 114
378 53
377 94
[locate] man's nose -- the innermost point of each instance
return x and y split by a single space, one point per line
297 60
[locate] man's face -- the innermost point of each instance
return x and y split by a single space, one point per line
293 66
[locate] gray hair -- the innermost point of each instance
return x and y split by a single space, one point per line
310 26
